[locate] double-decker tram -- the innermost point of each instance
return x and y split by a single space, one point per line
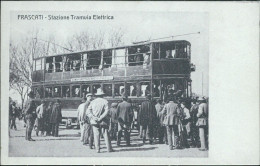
154 68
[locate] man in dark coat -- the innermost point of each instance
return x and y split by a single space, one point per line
30 116
125 117
147 114
194 128
56 118
47 119
13 113
113 121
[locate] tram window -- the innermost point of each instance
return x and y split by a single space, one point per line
139 55
173 50
119 58
107 58
181 51
57 92
119 89
131 89
37 94
76 65
58 62
65 91
49 65
107 88
156 89
94 59
144 89
72 62
48 92
76 91
156 51
96 87
85 90
38 64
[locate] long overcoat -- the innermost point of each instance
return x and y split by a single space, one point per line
147 113
56 116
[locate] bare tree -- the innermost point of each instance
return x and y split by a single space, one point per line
20 71
116 38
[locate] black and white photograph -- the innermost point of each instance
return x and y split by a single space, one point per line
102 83
111 83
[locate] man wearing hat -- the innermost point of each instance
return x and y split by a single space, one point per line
98 114
88 137
30 115
147 114
202 122
56 118
125 117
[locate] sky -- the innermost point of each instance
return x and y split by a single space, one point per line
137 26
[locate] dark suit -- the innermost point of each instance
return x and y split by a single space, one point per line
147 114
194 128
114 121
125 116
30 116
55 119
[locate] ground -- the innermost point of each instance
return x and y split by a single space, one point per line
69 145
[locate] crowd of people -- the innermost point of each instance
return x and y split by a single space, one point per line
169 122
43 118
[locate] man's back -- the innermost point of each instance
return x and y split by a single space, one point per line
97 106
124 111
171 110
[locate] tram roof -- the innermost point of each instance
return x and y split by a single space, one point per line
118 47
